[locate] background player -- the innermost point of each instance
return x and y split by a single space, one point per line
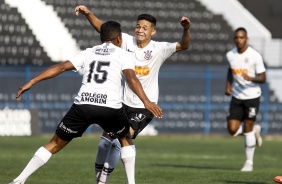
149 55
99 98
246 71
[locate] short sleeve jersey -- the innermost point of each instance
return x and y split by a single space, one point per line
102 67
249 62
148 61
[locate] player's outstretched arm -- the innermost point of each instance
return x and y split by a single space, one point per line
94 21
136 87
185 41
48 73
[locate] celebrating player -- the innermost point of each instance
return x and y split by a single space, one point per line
99 98
149 56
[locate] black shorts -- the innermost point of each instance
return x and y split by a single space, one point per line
79 117
138 118
243 109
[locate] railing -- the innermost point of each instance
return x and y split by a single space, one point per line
192 98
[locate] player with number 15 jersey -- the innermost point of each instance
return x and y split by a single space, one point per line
109 62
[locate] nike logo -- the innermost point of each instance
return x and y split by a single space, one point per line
129 50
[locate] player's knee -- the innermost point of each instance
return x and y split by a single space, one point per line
232 133
116 144
232 130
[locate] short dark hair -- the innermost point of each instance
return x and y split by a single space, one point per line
148 17
241 29
110 30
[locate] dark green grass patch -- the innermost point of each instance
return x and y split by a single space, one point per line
160 160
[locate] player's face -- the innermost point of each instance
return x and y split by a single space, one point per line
144 31
240 39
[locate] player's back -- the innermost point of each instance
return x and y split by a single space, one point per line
102 74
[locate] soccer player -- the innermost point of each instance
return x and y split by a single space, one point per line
246 71
149 56
99 98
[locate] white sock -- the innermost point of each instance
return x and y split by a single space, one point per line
128 154
40 157
103 151
239 131
250 145
111 162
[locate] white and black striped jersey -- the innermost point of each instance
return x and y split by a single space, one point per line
249 62
102 67
148 61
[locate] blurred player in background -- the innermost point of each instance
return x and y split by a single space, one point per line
246 71
149 56
99 98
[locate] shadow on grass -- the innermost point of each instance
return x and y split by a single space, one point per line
193 166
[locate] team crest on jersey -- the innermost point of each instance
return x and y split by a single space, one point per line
247 60
148 54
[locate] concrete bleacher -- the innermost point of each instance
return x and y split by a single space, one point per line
18 45
268 12
211 36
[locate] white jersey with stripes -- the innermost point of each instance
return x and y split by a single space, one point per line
102 67
148 61
249 62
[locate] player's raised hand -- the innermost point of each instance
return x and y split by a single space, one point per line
81 9
154 108
22 89
185 22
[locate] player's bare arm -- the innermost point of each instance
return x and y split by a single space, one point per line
48 73
229 80
94 21
260 78
185 41
136 87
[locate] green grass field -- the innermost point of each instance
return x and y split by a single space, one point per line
160 160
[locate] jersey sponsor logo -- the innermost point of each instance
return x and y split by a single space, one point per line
104 51
67 130
148 55
252 112
138 118
239 71
94 97
142 70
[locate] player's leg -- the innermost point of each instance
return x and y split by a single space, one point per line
41 156
138 118
128 154
250 144
251 107
107 157
71 126
233 125
116 125
257 130
234 117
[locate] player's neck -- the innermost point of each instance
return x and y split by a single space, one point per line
142 44
242 50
